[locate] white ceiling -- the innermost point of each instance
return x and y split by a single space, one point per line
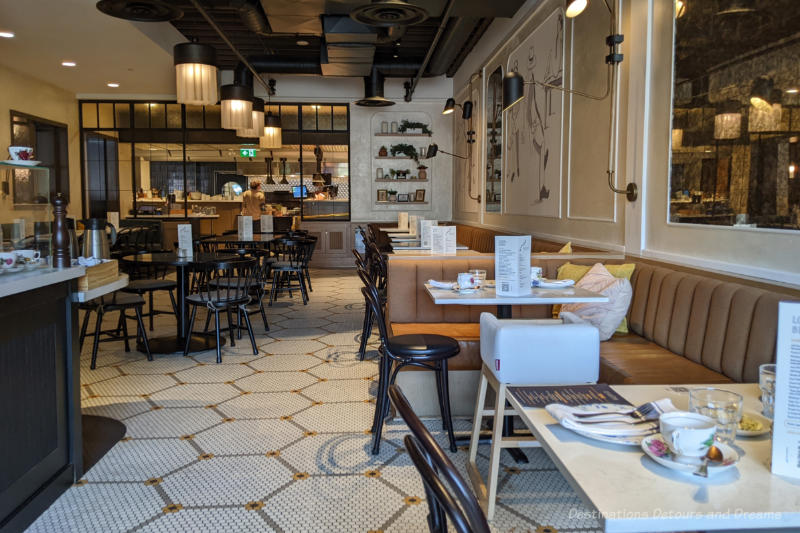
107 49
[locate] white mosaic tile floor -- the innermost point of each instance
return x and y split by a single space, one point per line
274 441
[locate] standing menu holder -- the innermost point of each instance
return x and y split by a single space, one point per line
413 223
443 240
786 423
267 224
512 265
245 229
425 232
185 239
402 220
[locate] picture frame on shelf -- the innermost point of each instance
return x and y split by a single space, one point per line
419 195
402 197
383 195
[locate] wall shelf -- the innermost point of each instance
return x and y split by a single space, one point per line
392 157
383 180
401 203
398 134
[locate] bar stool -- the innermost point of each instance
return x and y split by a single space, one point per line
421 350
116 301
524 352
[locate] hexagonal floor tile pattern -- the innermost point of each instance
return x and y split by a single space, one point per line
273 441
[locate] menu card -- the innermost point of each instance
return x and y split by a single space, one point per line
786 424
443 240
512 265
402 220
245 229
566 394
425 232
185 238
113 218
413 222
266 223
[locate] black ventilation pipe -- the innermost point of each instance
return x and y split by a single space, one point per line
252 16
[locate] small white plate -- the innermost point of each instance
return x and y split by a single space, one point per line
656 449
625 440
766 425
25 162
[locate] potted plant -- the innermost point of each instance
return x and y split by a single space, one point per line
393 173
392 196
383 152
423 172
414 128
404 149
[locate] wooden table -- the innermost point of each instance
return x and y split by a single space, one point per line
631 493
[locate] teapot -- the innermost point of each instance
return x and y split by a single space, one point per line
95 241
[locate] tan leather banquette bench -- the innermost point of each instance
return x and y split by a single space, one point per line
684 328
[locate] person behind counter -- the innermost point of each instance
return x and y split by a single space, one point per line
252 202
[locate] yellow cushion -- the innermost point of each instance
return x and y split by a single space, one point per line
566 249
576 272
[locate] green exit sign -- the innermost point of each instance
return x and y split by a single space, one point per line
248 152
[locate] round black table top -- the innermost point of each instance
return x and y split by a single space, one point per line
172 259
263 237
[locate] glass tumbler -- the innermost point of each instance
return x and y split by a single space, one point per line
723 406
766 382
480 277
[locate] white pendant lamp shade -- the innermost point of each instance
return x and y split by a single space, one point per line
196 74
728 120
272 137
237 107
256 128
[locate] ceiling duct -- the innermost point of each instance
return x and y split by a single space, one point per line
140 10
373 91
252 16
385 13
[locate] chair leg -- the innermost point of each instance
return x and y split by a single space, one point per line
445 399
84 326
239 323
143 332
494 455
96 339
274 288
174 303
219 340
189 331
308 279
249 330
477 419
303 291
381 403
365 333
125 329
152 310
263 314
230 327
208 322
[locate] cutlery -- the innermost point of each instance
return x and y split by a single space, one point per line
714 455
642 412
617 420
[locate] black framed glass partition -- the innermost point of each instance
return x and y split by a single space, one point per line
166 160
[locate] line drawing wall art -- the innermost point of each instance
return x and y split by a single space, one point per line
534 125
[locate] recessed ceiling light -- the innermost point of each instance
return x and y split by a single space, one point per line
68 64
792 91
395 56
7 34
302 42
113 85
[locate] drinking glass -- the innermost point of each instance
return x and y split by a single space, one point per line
766 382
479 275
723 406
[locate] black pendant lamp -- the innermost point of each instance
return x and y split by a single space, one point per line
236 107
195 73
513 89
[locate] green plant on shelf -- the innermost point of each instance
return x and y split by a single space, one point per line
406 125
404 149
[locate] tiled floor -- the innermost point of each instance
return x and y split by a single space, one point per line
276 441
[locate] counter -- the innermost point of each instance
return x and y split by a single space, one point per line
17 282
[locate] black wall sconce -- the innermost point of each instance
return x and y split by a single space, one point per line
433 149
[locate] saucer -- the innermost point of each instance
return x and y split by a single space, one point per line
25 162
13 269
656 448
766 425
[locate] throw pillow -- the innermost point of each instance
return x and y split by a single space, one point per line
576 272
605 316
566 249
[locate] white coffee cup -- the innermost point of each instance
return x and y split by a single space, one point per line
466 280
687 434
7 259
28 256
16 152
536 273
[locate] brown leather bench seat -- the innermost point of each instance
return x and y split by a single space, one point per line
684 328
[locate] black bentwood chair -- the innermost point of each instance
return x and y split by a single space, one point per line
116 301
421 350
447 493
291 259
228 289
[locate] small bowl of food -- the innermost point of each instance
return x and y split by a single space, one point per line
753 424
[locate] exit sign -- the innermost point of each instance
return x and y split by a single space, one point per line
248 152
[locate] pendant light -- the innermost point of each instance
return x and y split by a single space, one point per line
575 8
195 73
761 93
258 121
272 136
237 107
728 120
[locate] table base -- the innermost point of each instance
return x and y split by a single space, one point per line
174 344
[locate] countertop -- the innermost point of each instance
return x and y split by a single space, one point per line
14 283
191 215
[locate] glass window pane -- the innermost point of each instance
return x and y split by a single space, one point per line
157 116
123 112
310 117
329 191
173 115
324 118
141 116
89 115
289 117
340 117
194 116
106 115
213 118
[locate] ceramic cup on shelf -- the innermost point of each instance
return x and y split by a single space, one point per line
688 435
7 259
20 153
28 256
